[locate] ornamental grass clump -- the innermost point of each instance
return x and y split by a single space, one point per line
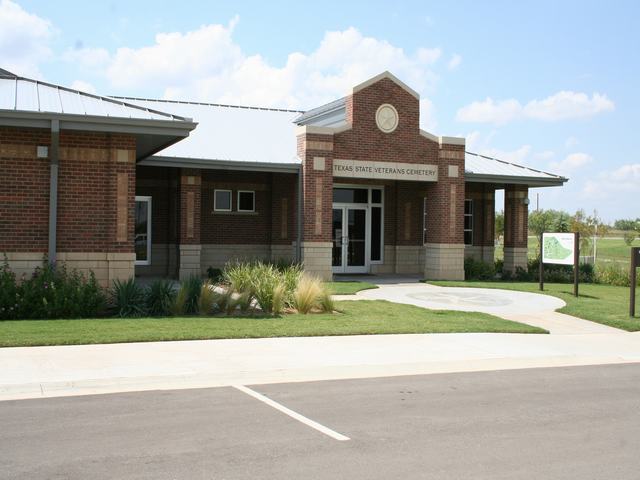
207 299
266 278
161 295
191 289
307 293
240 276
128 299
325 301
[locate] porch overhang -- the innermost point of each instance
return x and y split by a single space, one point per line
213 164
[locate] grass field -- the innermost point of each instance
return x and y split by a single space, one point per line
599 303
349 288
355 318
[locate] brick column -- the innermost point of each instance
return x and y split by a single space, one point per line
316 152
189 220
516 216
444 250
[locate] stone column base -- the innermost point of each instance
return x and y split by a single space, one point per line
189 261
409 259
444 261
316 257
515 257
106 267
285 253
482 253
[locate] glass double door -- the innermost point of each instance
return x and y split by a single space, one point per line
350 241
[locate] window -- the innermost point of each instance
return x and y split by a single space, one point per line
350 195
424 220
142 240
376 234
468 222
246 201
222 200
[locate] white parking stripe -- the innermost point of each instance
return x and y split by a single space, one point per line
292 414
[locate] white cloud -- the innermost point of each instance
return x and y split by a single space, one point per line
571 142
566 105
24 39
563 105
83 86
490 111
90 58
546 155
623 181
454 62
206 64
571 162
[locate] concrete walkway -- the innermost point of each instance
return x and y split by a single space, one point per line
530 308
35 372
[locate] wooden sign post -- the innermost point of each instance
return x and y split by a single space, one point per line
576 262
635 263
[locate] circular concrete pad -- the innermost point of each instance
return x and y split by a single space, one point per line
467 299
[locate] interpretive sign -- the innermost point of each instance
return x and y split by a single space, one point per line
385 170
558 248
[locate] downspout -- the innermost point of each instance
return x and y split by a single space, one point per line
299 217
53 190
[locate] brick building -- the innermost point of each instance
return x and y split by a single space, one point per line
126 186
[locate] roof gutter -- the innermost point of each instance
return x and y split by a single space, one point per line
54 162
513 180
207 164
69 121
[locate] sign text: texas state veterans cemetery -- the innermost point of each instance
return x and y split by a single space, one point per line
385 170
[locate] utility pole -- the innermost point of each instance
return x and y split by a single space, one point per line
537 202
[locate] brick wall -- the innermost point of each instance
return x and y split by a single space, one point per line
483 197
516 216
90 166
24 191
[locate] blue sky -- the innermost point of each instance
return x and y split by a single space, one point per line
552 85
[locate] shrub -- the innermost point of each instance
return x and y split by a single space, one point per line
307 293
9 306
629 236
243 302
277 304
558 273
613 274
265 280
206 299
128 298
189 295
215 275
160 298
325 301
53 292
239 276
478 270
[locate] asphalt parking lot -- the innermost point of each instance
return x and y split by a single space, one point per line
553 423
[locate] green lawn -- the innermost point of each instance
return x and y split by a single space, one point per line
356 318
349 288
599 303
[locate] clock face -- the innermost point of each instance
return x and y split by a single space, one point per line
387 118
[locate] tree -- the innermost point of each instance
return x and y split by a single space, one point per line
499 225
627 224
629 236
540 221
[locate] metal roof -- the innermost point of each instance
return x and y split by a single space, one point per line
480 168
21 94
231 133
329 114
